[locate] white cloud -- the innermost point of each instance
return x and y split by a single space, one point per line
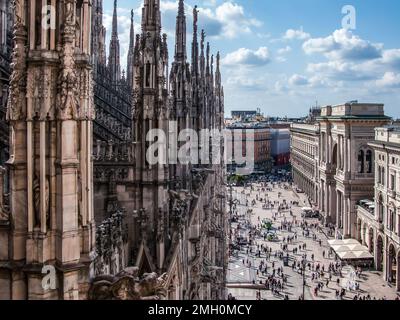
343 45
351 58
391 58
285 50
389 80
341 70
292 34
280 87
227 20
298 80
244 56
246 82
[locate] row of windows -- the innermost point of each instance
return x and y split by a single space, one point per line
392 219
305 147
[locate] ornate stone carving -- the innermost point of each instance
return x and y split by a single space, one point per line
16 107
67 96
127 285
67 99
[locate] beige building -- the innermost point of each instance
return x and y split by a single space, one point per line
379 221
304 155
346 161
333 163
257 134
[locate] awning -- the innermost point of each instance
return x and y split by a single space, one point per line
345 242
350 249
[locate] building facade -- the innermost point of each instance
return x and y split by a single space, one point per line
280 146
333 162
256 134
304 157
378 226
346 161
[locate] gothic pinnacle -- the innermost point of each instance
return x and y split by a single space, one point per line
181 7
114 54
132 33
203 36
151 16
195 45
195 20
180 38
131 52
115 21
202 58
208 59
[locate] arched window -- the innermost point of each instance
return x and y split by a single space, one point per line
361 161
380 209
392 219
368 159
147 74
335 155
379 175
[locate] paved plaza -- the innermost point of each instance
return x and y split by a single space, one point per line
245 281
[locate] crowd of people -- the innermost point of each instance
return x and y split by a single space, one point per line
292 233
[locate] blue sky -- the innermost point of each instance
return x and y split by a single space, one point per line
284 56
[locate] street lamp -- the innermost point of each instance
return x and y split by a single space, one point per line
304 276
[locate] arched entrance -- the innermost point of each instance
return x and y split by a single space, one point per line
398 271
392 265
379 254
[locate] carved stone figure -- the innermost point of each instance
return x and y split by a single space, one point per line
128 286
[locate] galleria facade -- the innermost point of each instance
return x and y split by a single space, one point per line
79 193
347 162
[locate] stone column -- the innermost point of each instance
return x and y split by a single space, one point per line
320 199
349 216
338 211
329 205
345 156
341 152
16 115
327 202
348 155
51 189
345 216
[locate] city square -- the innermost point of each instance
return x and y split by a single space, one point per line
210 151
245 281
